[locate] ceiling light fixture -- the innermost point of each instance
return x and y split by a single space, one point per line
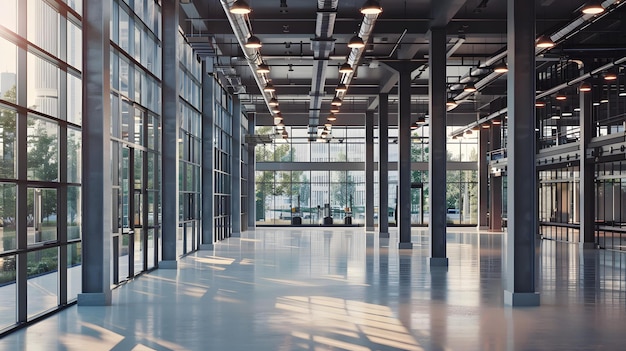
336 101
331 117
496 122
371 7
413 126
345 68
501 67
356 42
269 87
334 109
593 7
540 103
585 87
451 102
341 88
622 94
263 69
277 120
240 7
610 75
545 41
421 119
470 87
275 110
561 97
273 102
253 42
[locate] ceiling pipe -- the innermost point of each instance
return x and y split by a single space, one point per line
367 26
253 57
322 45
564 33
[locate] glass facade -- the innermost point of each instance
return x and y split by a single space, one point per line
336 187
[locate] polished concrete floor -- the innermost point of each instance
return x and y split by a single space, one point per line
344 289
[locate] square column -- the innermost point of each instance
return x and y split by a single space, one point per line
483 178
437 147
235 204
251 173
495 183
170 132
521 153
96 156
587 174
207 157
383 165
369 171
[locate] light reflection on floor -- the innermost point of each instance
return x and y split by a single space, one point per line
344 289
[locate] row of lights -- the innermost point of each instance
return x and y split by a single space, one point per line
370 7
593 7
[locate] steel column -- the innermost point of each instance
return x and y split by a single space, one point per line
587 199
369 171
383 165
207 157
235 157
521 153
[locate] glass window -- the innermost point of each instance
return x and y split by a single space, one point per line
74 45
125 76
74 270
42 150
7 217
9 14
8 76
124 30
43 26
8 293
74 99
74 215
42 271
43 86
74 156
41 220
8 145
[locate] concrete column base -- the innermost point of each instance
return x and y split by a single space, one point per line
94 299
588 246
521 299
168 264
206 247
438 261
483 227
235 235
408 246
383 235
369 229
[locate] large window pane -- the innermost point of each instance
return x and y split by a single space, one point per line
7 217
74 215
73 156
43 86
8 66
42 150
42 289
8 18
8 292
74 99
74 45
74 270
42 215
8 145
43 26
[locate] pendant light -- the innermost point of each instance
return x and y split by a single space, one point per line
545 42
356 42
263 69
345 68
240 7
371 7
253 42
593 7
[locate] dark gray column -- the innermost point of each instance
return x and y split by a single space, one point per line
383 165
404 69
170 132
207 157
437 147
96 168
483 178
235 204
521 169
369 171
495 183
251 174
587 174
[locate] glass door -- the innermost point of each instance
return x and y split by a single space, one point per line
417 204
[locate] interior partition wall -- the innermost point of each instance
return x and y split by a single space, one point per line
40 158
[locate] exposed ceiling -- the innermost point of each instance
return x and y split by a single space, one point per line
305 42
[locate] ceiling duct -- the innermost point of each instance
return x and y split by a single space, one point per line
322 45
